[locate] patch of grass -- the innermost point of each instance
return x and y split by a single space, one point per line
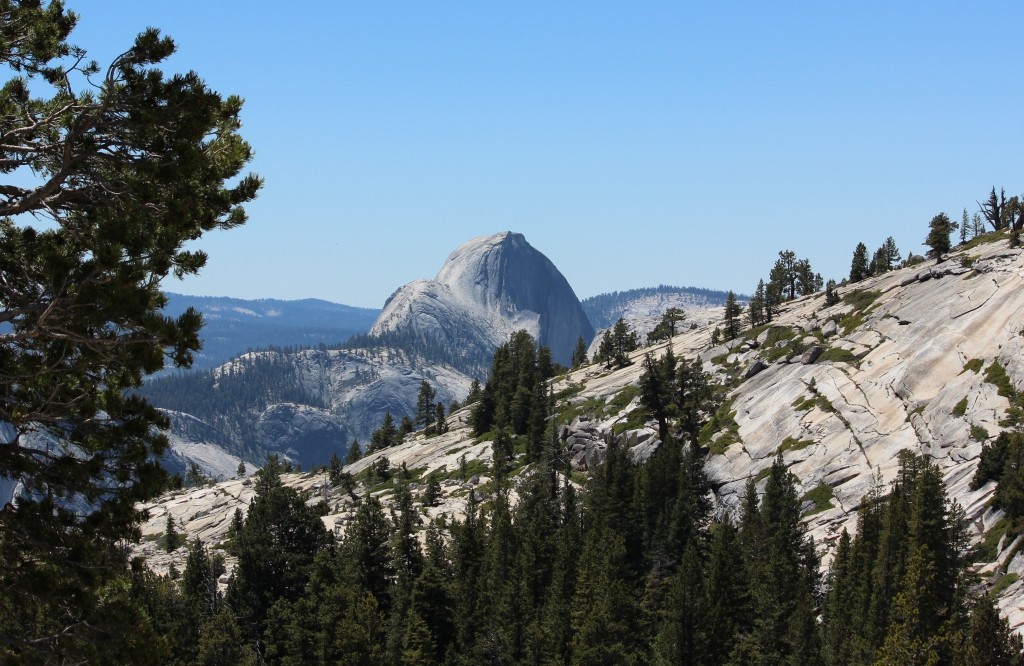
778 334
571 390
1005 581
989 237
773 351
635 420
751 334
918 410
794 444
820 497
960 408
763 474
851 322
837 355
978 433
974 365
861 299
621 399
996 374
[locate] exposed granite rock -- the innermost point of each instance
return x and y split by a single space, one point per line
487 289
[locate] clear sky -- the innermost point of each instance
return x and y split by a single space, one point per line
632 143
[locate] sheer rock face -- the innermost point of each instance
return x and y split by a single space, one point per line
487 289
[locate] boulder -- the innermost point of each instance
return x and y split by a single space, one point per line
812 354
754 368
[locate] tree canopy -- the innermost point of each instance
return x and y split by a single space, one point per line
109 173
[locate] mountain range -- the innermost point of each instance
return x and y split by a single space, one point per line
233 326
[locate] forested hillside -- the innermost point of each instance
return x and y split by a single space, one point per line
604 310
759 499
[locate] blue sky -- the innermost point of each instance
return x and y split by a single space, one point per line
632 143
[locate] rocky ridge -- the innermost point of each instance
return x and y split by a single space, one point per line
839 390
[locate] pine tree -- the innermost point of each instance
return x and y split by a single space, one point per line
425 405
806 279
937 240
757 305
908 641
781 570
732 316
171 537
110 174
440 424
657 389
355 452
579 353
604 614
990 642
784 275
617 343
474 392
859 268
275 549
221 643
668 327
831 298
385 436
682 636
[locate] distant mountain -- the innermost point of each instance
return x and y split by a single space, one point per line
309 404
489 288
234 326
604 310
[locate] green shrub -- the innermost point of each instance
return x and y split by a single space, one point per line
723 419
996 374
793 444
805 404
979 433
974 365
961 407
820 498
1005 581
850 322
837 355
